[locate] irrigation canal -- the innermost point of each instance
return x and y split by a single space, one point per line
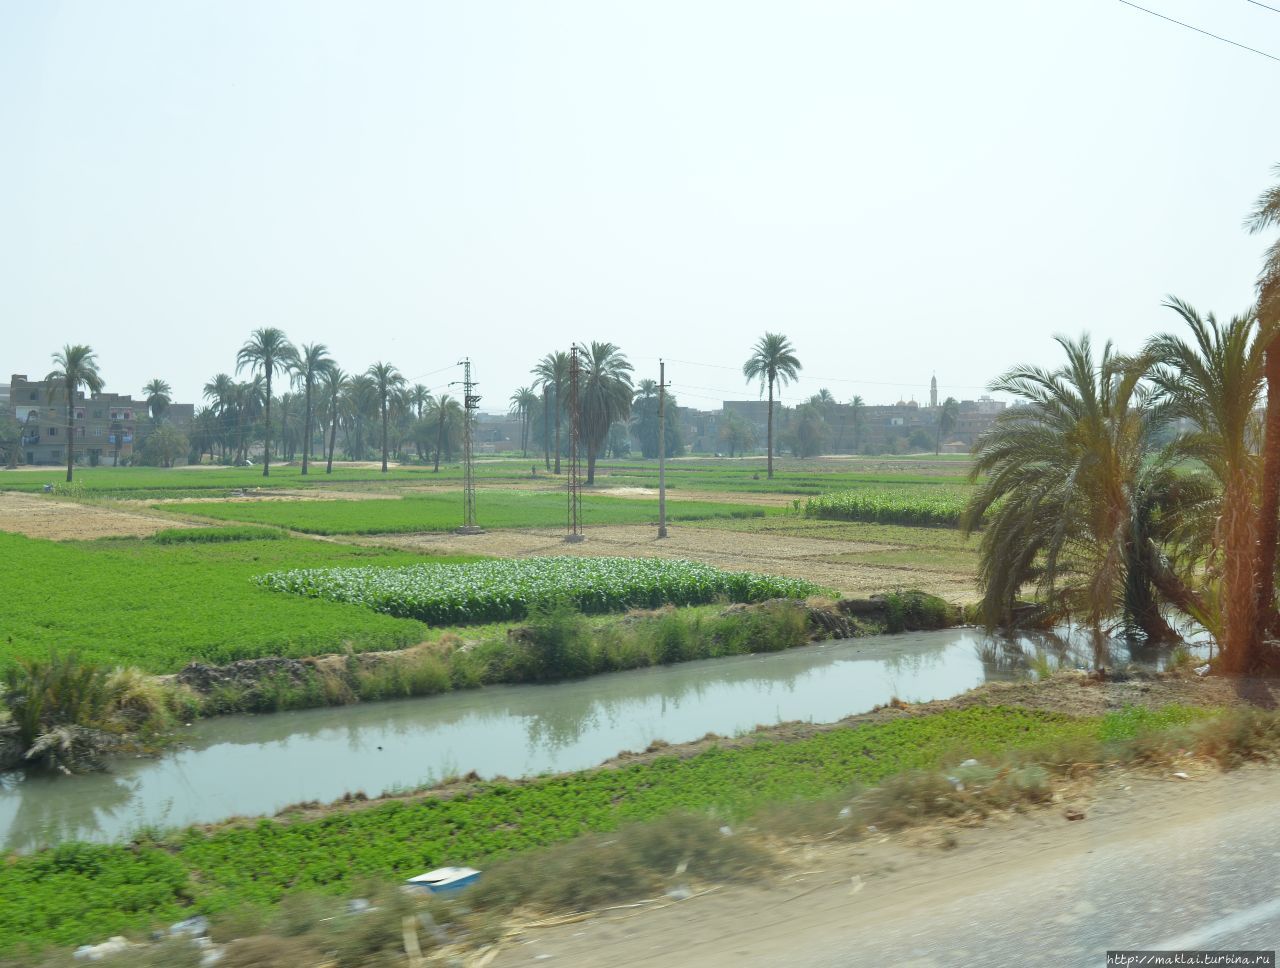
251 765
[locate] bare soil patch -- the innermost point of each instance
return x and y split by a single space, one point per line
61 520
819 560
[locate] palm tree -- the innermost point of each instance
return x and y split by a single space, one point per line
773 362
446 414
1215 382
248 403
268 351
552 373
220 392
387 379
333 388
159 395
312 363
604 397
359 406
522 403
947 414
418 397
1076 492
858 417
1266 215
76 367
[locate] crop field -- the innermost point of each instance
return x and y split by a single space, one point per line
79 893
443 512
492 591
132 601
934 506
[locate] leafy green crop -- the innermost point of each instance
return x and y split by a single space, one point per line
160 606
930 506
490 591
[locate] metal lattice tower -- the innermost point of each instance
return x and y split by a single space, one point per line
574 524
470 404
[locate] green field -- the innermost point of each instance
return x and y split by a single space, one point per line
79 893
443 512
159 606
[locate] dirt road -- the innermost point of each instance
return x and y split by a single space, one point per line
1156 863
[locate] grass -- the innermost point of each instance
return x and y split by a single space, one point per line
77 892
159 606
217 535
443 512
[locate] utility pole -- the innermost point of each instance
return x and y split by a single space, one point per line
662 449
470 403
575 456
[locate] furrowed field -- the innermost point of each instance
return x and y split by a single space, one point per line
443 512
161 605
79 892
492 591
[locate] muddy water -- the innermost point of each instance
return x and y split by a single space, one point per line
249 765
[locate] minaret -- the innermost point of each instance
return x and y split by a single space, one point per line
933 391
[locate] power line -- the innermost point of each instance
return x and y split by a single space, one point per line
1206 33
1257 3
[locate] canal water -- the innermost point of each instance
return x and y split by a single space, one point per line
252 765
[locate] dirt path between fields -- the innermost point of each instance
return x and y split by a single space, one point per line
819 560
55 519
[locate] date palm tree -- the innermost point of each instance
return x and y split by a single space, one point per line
268 351
388 380
219 392
309 367
76 367
947 416
522 403
1075 493
333 386
1266 215
159 395
418 397
552 374
1215 381
773 362
858 417
604 397
446 414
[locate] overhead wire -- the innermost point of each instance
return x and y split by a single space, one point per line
1198 30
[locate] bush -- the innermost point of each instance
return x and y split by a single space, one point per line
913 611
556 643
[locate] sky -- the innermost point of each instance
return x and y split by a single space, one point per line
902 188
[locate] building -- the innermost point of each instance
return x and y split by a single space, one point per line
109 427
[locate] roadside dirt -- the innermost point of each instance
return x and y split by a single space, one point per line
844 899
37 516
819 560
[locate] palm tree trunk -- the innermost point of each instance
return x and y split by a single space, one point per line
1269 499
591 467
71 427
557 433
306 434
384 435
546 427
266 436
439 444
1240 632
770 428
333 440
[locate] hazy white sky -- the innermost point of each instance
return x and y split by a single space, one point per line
901 187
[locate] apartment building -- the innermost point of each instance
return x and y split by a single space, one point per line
109 427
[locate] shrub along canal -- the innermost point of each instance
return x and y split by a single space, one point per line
251 765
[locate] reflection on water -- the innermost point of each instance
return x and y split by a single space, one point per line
248 765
